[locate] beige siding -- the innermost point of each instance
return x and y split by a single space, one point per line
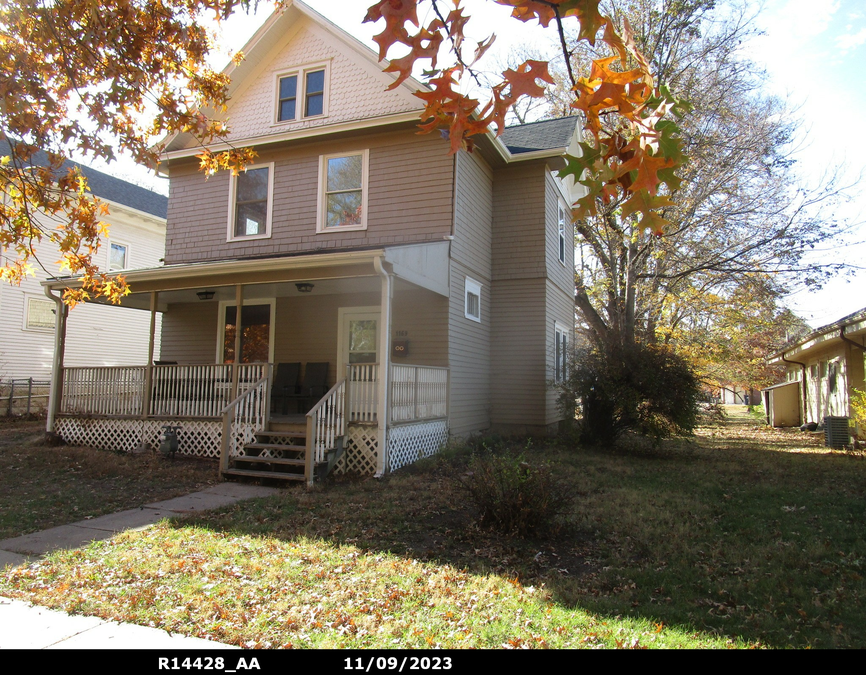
469 341
519 220
356 87
189 332
409 200
559 272
519 355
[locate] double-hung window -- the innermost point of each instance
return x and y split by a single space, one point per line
562 228
302 93
343 192
560 360
251 203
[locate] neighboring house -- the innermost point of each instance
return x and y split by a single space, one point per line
825 367
96 335
437 288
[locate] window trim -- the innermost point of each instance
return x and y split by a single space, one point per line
560 370
25 323
301 91
474 287
221 325
321 216
125 256
233 185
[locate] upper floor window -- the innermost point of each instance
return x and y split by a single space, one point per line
302 93
343 192
562 228
251 203
118 257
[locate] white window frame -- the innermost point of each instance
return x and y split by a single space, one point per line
322 217
560 360
473 287
301 91
233 184
125 257
25 320
562 221
221 325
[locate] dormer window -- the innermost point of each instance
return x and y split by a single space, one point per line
302 93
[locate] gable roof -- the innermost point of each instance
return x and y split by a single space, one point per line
544 135
106 186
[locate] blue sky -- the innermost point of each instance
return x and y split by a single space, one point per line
813 51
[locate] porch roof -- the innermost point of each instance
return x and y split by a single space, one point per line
424 265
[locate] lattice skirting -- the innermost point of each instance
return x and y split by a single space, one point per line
362 447
199 438
408 443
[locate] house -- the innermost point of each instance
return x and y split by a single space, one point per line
437 288
824 367
97 335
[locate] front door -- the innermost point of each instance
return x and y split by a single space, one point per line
359 348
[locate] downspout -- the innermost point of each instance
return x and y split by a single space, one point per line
848 368
849 340
805 397
54 393
384 364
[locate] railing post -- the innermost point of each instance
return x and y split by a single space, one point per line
29 393
11 394
225 441
311 449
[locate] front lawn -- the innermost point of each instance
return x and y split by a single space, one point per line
741 537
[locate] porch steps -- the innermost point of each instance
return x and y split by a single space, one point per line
278 453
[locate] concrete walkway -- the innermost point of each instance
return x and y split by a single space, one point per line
32 627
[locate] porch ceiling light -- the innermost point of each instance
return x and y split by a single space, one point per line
304 287
205 295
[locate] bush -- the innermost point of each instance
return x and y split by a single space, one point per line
646 389
516 497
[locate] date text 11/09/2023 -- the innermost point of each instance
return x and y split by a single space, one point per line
363 664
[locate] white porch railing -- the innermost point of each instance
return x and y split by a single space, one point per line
109 391
243 417
362 381
176 390
326 422
418 393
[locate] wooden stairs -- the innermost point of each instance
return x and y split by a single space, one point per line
279 453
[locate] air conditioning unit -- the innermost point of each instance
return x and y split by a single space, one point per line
836 434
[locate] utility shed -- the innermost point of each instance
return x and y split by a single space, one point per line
782 403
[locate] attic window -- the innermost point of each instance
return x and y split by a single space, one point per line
302 93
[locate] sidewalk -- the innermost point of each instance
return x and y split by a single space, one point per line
31 627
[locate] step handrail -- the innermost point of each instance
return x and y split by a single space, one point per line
260 410
326 422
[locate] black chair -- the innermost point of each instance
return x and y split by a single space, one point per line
285 385
314 386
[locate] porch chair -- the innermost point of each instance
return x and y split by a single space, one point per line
285 385
315 385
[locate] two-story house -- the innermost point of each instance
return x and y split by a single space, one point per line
437 288
96 335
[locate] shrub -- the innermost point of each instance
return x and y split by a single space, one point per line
858 413
516 497
647 389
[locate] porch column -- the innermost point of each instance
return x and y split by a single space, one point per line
384 407
55 394
148 373
239 300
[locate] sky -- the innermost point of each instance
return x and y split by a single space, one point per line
812 50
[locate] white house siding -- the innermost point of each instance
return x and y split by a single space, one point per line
469 340
97 335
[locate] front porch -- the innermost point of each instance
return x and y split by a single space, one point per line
349 318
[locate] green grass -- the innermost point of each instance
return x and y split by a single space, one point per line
742 537
43 486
